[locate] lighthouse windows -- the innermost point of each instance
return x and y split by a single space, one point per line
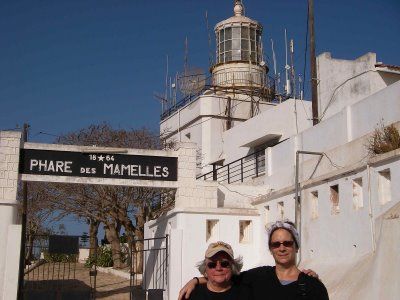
238 43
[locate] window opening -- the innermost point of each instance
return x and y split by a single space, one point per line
384 186
245 231
212 230
335 199
357 193
314 205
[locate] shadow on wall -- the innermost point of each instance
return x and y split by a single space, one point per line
375 276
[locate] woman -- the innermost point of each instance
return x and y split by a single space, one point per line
218 267
285 280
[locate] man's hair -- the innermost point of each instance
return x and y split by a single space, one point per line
236 265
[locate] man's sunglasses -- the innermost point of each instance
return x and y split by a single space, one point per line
223 264
286 244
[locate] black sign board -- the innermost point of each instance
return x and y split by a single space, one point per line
100 165
63 244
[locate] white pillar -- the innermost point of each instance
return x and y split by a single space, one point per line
10 143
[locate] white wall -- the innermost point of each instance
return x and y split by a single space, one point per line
9 253
11 269
277 121
344 82
188 227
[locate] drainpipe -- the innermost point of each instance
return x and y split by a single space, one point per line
297 212
371 217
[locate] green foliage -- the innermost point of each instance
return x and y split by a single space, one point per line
384 139
56 257
104 258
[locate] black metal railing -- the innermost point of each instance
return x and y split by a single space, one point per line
250 166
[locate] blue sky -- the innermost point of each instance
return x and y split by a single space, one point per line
67 64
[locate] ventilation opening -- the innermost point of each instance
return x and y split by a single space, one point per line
212 230
314 205
267 216
245 231
334 189
281 210
384 186
358 193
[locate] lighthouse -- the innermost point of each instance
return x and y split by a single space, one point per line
237 90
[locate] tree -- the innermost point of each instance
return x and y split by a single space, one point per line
37 214
111 205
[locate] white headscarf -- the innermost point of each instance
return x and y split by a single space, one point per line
285 224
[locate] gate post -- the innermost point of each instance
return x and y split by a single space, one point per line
186 174
10 143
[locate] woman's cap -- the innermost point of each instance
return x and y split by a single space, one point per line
216 247
285 224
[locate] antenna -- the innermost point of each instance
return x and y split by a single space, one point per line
292 74
273 56
287 84
210 58
185 60
166 82
300 84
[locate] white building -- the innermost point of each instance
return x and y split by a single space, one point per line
350 203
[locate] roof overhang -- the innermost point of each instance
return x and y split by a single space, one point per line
262 140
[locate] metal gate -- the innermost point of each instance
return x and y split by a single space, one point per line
149 268
53 270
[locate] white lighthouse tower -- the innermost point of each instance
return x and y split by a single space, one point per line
237 90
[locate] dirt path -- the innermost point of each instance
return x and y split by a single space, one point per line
70 277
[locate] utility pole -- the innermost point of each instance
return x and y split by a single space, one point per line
23 226
313 67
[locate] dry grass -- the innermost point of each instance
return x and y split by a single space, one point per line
384 139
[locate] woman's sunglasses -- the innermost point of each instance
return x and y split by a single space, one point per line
223 264
286 244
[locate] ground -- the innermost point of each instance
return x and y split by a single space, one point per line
73 278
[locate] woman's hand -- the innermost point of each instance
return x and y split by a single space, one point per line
310 272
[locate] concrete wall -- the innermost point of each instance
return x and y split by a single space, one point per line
187 230
344 82
9 253
204 120
281 120
11 269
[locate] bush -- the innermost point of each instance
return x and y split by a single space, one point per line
104 258
384 139
56 257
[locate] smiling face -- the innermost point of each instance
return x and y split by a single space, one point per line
220 275
285 256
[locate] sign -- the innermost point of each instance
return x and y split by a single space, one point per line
100 165
63 244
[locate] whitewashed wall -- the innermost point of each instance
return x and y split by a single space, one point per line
187 229
9 253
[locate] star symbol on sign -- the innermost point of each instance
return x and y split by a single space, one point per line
100 157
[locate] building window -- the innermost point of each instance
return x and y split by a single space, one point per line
384 186
314 205
281 210
357 193
335 199
212 230
245 231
